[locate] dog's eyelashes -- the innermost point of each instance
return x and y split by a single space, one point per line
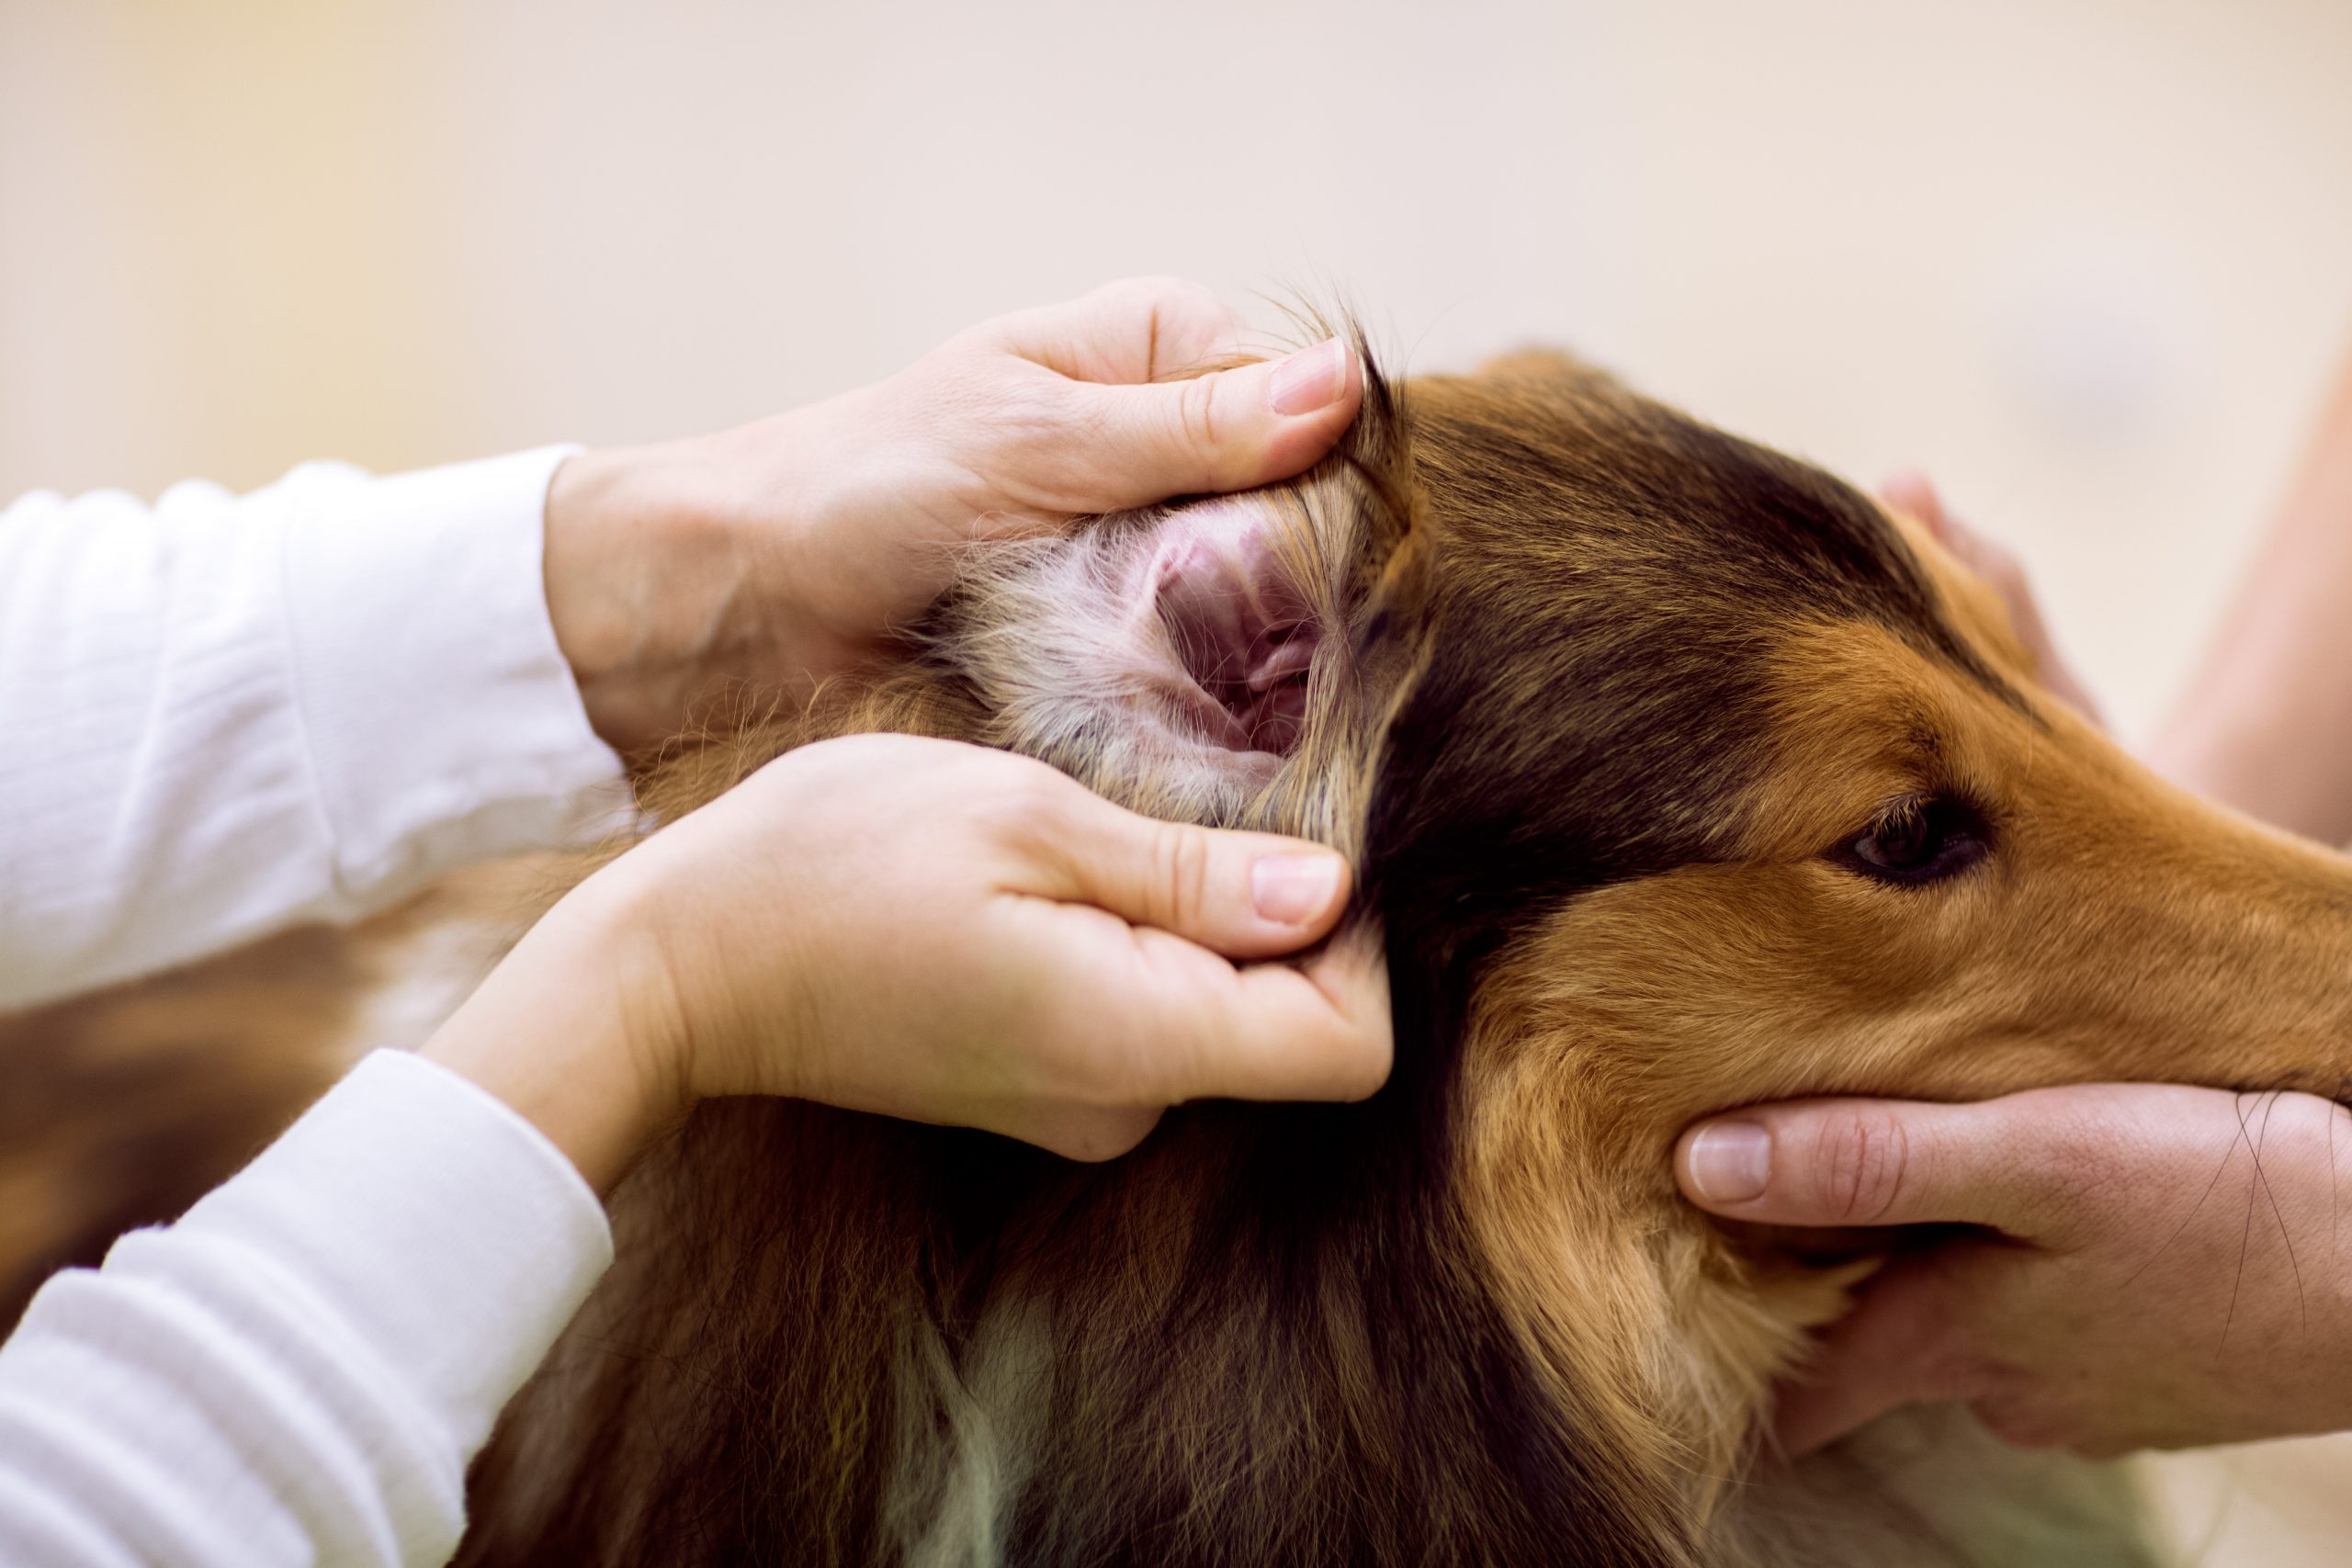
1917 839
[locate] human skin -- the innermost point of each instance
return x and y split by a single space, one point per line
765 560
910 926
2158 1266
2154 1266
931 931
2266 723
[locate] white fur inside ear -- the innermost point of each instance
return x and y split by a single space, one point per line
1165 652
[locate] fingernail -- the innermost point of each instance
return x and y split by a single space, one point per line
1289 890
1312 379
1731 1162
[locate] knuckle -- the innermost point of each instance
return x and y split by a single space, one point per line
1862 1162
1022 809
1093 1137
1143 288
1090 1077
2023 1423
1952 1368
1364 1068
1201 425
1158 294
1032 415
1183 864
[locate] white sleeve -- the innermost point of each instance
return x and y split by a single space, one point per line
224 714
299 1372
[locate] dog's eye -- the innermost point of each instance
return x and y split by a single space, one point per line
1918 838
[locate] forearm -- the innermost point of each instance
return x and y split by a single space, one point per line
223 714
2267 723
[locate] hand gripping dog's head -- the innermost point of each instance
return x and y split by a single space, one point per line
1678 775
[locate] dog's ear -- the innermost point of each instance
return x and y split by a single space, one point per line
1362 546
1391 508
1397 598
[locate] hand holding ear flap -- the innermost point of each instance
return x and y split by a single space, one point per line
935 931
783 553
1133 394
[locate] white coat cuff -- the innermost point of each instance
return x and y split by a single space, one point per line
444 723
431 1219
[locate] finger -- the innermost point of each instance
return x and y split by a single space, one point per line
1875 1162
1226 430
1192 1026
1317 1033
1909 492
1092 1133
1243 895
1895 1349
1138 330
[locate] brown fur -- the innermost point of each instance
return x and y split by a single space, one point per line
1602 690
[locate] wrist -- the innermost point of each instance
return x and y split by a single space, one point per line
578 1030
649 587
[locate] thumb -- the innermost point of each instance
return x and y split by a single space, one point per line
1860 1162
1227 430
1243 895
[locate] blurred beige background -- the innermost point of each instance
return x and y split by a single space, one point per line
2087 262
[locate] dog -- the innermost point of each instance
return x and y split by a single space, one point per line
1677 775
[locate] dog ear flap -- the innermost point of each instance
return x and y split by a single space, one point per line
1397 600
1399 548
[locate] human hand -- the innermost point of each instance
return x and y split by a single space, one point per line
2264 723
1909 491
2158 1268
935 931
787 551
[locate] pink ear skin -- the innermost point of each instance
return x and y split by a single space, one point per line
1243 634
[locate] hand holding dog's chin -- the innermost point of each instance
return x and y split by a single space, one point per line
2159 1266
763 560
934 931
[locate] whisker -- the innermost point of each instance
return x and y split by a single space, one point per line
2244 1237
2262 1178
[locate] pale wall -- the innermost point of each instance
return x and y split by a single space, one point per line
2087 262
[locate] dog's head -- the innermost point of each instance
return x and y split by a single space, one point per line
1679 774
1650 738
